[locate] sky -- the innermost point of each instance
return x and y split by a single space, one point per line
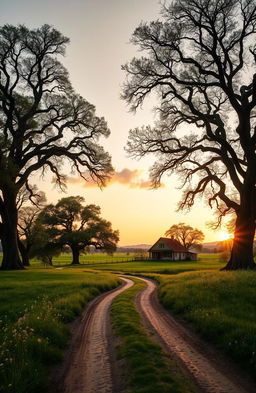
99 32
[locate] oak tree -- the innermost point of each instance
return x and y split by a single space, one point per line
199 60
185 235
70 223
43 123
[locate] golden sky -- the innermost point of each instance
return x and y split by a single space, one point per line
100 31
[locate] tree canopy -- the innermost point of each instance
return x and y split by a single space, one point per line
71 223
43 122
199 60
185 235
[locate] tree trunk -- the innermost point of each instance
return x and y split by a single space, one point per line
24 253
9 236
75 254
242 249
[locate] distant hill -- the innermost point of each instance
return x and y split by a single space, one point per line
134 248
212 247
143 246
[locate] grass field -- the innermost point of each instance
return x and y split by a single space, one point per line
205 262
37 303
65 259
146 368
220 305
35 306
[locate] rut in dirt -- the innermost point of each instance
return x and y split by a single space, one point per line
209 372
89 368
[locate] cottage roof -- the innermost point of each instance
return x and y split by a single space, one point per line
171 244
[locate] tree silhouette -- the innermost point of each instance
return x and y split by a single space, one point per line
43 122
185 235
70 223
200 62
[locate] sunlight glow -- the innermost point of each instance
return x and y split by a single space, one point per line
224 236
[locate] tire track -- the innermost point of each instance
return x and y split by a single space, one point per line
210 375
89 367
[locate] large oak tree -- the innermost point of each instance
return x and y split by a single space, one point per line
43 122
199 60
70 223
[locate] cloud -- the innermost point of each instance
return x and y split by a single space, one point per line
128 177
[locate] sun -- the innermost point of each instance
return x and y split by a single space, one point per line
224 236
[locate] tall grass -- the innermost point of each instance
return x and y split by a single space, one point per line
147 370
35 307
221 306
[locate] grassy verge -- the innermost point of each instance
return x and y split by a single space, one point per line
147 369
221 306
35 307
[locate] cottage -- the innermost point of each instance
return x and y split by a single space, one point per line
167 249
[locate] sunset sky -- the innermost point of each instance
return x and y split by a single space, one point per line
99 31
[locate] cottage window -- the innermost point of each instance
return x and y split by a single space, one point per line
161 245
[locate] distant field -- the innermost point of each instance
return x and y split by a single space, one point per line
65 259
205 262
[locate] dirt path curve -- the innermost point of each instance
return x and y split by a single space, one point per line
209 371
89 366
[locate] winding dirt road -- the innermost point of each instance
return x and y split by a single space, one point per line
90 366
210 372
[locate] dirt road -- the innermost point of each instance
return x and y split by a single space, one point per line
88 367
209 370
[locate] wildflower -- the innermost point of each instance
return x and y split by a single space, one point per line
39 340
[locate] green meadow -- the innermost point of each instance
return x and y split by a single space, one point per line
35 307
38 303
205 262
221 308
65 259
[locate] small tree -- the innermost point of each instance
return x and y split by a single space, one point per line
185 235
199 60
42 123
70 223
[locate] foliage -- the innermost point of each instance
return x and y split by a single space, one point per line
200 61
185 235
35 305
43 122
70 223
153 375
220 306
